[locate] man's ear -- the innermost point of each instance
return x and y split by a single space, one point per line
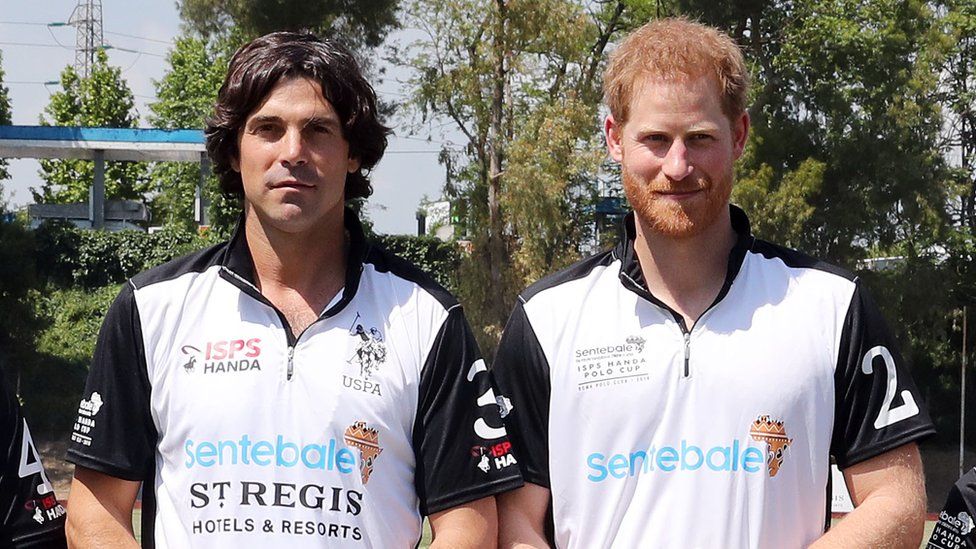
611 131
235 164
740 134
353 164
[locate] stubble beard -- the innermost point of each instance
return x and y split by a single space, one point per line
672 219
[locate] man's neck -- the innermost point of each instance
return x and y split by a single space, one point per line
300 273
685 273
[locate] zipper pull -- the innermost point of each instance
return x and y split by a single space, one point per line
291 366
687 353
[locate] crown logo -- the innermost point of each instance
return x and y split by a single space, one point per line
367 440
773 433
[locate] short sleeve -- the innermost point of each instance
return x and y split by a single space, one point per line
32 516
462 448
878 407
114 432
521 372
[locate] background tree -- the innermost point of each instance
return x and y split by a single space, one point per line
848 156
101 100
6 118
360 24
957 95
185 98
520 81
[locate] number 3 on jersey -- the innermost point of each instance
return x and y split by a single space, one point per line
889 415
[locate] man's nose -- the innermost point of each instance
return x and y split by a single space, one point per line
676 164
293 148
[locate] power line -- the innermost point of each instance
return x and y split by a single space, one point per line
25 23
168 43
127 50
106 46
31 45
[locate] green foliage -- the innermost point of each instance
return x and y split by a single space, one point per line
437 258
72 318
519 80
780 210
186 96
847 157
54 376
6 118
17 278
363 23
92 259
101 100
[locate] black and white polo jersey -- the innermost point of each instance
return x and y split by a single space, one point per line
246 436
649 434
30 515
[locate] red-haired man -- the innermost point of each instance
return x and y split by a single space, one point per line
689 387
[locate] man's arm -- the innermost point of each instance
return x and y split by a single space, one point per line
889 497
100 510
471 525
522 517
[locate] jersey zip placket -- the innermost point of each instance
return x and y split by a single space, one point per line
678 319
290 340
686 334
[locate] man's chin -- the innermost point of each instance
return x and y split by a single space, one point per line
673 223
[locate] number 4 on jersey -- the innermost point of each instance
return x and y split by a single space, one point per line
30 463
889 415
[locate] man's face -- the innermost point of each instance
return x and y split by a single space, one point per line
676 152
294 159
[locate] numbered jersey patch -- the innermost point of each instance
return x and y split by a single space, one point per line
31 511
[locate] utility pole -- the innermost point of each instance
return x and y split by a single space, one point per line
87 19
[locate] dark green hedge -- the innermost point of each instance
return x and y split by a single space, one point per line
440 259
68 256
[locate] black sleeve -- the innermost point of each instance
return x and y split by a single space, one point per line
878 407
32 516
521 371
461 446
955 528
114 433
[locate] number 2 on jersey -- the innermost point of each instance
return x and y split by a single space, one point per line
889 415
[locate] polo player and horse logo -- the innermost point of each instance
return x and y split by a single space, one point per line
370 350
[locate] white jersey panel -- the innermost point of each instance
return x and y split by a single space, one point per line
640 450
270 445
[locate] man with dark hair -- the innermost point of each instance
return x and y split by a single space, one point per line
689 387
296 385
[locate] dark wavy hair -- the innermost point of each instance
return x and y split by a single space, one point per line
254 71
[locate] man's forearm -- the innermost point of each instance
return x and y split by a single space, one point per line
889 490
883 521
473 525
89 529
100 511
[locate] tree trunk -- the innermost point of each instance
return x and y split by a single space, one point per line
496 245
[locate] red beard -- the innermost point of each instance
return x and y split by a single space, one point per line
678 218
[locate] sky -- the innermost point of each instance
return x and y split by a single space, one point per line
140 33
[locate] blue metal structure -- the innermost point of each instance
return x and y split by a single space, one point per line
101 144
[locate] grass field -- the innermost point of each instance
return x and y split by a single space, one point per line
425 541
